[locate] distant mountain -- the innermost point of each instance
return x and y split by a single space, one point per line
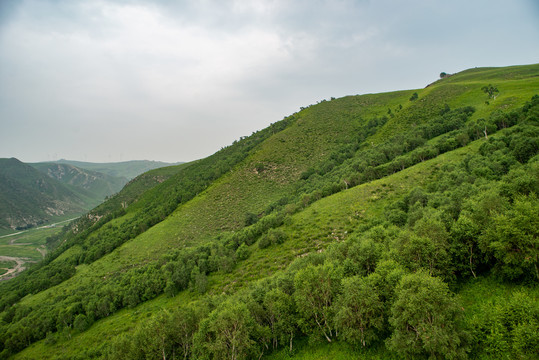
33 194
29 197
127 169
98 185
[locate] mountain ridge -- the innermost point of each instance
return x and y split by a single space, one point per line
127 169
30 198
71 192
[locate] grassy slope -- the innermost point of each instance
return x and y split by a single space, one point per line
319 130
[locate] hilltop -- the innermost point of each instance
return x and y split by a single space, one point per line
321 234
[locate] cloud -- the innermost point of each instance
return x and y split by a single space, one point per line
187 77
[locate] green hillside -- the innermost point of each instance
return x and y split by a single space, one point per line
393 225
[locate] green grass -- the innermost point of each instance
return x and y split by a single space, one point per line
7 232
7 264
25 244
336 351
516 85
20 251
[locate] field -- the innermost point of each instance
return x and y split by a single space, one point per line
24 247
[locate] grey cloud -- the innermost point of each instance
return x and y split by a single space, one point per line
184 77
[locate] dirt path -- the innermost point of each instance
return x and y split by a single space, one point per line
40 227
12 242
12 272
42 250
17 233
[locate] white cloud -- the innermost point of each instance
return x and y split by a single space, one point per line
185 78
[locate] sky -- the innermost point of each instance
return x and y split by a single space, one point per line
118 80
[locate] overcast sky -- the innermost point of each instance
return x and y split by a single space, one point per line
117 80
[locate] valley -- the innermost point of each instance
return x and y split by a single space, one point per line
25 247
32 195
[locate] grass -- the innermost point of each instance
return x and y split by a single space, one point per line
516 85
7 264
336 351
25 244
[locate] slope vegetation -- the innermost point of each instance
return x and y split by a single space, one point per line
331 225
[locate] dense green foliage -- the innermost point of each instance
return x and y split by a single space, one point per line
387 282
379 276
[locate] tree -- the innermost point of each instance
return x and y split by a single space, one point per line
426 247
360 310
490 90
513 238
199 281
225 333
242 252
280 312
154 338
317 288
524 147
184 324
425 319
81 323
250 219
509 328
442 75
464 246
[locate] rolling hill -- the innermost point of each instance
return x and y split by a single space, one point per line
392 225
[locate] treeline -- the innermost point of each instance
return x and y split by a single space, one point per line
362 162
